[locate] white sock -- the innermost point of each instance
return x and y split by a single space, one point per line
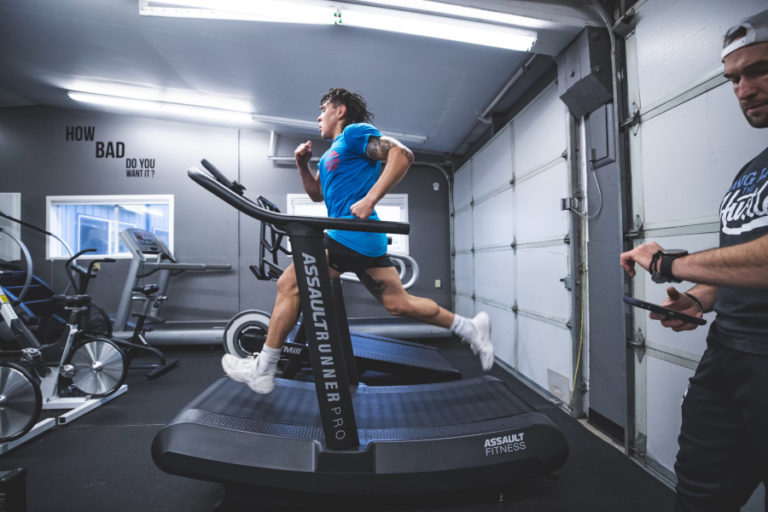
268 358
463 328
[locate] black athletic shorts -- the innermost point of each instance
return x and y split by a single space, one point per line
344 259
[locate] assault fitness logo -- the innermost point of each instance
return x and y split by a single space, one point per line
500 445
745 205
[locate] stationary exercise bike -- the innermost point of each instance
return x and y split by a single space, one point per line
137 345
90 372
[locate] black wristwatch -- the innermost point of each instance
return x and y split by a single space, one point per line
661 265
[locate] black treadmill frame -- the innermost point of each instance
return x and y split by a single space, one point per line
330 347
329 351
440 437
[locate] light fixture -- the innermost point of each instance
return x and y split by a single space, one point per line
164 94
439 27
206 113
277 11
415 17
461 11
313 126
163 108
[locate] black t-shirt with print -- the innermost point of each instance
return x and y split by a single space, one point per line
742 313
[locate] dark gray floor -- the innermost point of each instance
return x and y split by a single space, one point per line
102 462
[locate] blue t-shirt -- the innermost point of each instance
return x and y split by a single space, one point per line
346 176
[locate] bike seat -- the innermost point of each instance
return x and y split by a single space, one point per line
72 301
147 290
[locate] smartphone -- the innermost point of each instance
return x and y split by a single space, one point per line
668 313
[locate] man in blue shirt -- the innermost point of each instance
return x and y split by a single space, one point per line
351 180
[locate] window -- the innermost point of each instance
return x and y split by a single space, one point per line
392 207
86 222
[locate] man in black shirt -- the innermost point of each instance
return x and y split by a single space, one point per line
723 442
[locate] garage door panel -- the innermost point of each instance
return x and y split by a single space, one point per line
537 205
540 132
543 347
494 222
464 274
538 282
502 332
463 230
462 186
691 145
666 384
682 162
494 276
526 212
671 58
493 166
465 306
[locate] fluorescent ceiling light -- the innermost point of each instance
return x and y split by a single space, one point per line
205 113
313 126
440 27
165 95
438 20
276 11
286 121
461 11
163 108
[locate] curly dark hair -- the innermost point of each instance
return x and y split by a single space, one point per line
357 109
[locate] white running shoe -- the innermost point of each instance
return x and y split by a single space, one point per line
247 370
481 339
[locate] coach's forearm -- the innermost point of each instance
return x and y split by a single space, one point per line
743 265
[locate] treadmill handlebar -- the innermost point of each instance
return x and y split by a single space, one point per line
185 266
248 207
219 176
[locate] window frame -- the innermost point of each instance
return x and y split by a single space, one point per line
53 224
400 243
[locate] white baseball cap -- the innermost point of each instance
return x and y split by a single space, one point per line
751 30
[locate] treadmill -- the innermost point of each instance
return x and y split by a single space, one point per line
338 437
246 332
150 256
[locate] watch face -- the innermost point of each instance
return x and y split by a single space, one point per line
675 252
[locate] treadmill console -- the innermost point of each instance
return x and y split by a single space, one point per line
145 241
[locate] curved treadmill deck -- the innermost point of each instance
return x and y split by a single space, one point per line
390 355
413 439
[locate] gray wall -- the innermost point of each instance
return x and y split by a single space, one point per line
38 161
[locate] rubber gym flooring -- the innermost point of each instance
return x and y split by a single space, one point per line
101 462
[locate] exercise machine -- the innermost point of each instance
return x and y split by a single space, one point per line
246 332
33 299
90 373
150 256
338 437
136 346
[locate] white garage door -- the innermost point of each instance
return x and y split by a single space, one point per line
512 252
688 146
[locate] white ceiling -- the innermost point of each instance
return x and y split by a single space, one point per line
413 85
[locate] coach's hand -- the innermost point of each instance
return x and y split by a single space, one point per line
679 302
